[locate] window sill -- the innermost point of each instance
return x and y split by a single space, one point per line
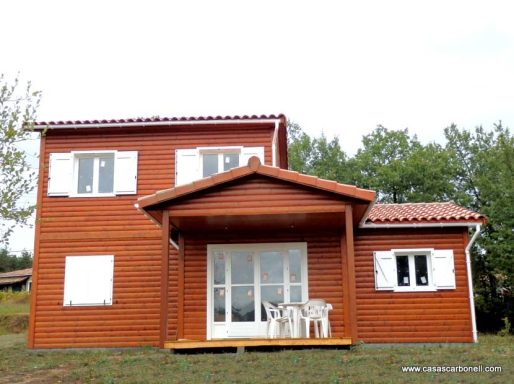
415 289
88 195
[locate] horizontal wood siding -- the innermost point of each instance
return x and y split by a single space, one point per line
393 317
112 226
324 272
251 192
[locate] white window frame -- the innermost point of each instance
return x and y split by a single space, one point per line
220 151
410 253
76 155
253 247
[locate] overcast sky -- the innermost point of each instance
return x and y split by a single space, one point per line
334 66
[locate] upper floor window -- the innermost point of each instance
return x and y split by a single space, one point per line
90 174
95 173
219 161
196 163
414 270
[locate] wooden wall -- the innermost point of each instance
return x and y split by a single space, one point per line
98 226
394 317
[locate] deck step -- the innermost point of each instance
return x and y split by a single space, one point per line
226 343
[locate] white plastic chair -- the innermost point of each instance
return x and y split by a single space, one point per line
277 322
325 322
316 310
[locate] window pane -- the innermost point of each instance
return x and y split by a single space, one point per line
272 268
210 164
420 263
219 304
242 268
85 184
219 268
402 267
243 307
295 266
296 294
106 174
230 160
272 293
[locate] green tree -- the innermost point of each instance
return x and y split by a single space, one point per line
10 262
299 149
485 183
17 113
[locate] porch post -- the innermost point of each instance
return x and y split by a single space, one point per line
349 287
180 301
165 248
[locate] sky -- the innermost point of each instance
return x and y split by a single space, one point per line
337 67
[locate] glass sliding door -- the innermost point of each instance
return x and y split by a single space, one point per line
241 276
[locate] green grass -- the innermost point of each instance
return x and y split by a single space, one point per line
14 312
359 365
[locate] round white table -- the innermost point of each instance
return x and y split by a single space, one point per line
294 308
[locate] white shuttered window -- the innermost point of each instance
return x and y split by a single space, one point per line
88 280
197 163
404 270
93 174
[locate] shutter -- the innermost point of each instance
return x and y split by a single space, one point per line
248 152
88 280
60 174
443 269
385 270
125 173
186 166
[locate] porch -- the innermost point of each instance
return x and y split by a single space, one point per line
254 233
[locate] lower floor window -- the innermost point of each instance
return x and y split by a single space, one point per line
242 276
88 280
414 270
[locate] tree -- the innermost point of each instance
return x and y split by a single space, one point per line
10 262
17 113
315 156
485 183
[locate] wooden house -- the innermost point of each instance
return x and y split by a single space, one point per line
170 232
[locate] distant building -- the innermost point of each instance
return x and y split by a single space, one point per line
16 281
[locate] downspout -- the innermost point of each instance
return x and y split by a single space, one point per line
470 283
274 144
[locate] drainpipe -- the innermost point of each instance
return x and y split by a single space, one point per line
274 144
470 283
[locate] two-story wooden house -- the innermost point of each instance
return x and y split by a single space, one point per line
169 232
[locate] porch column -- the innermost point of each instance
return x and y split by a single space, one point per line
165 248
180 299
348 276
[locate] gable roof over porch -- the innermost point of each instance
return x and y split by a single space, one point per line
277 181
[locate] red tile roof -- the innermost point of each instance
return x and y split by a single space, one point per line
255 166
422 213
158 120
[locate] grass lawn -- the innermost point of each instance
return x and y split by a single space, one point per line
359 365
14 312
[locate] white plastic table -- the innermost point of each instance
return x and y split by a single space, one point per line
294 308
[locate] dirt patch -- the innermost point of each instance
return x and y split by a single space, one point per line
48 376
14 323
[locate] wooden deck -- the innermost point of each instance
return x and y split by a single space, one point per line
237 343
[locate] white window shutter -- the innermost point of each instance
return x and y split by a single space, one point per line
385 270
443 269
186 166
248 152
60 174
88 280
125 173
